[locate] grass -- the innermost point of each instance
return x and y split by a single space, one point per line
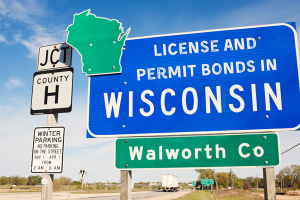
18 189
195 195
221 194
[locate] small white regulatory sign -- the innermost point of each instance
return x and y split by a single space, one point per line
54 56
82 173
48 150
52 91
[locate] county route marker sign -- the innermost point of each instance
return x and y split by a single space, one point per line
52 91
233 80
217 151
48 150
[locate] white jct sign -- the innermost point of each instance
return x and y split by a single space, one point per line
48 150
54 56
52 91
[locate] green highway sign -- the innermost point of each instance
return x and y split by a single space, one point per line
194 183
207 182
247 150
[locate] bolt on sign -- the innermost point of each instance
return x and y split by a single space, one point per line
48 150
52 91
217 151
54 56
235 80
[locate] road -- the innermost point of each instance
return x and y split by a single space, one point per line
147 195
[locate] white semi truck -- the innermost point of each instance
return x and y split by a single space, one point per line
169 183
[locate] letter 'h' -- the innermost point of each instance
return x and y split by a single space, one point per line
51 94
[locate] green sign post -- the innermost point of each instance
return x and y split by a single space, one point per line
247 150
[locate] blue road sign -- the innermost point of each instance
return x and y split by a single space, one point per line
218 81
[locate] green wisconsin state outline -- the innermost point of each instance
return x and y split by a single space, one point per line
98 42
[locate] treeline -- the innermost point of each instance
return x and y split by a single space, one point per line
290 177
17 180
34 180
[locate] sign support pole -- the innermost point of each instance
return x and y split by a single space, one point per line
202 191
211 191
126 177
269 183
47 190
82 184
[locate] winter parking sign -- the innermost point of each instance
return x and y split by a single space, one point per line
218 81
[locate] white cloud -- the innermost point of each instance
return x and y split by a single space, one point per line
28 13
13 83
5 108
2 38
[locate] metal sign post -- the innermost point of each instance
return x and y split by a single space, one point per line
211 191
202 191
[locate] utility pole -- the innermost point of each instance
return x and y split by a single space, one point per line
231 177
48 188
216 180
257 182
281 185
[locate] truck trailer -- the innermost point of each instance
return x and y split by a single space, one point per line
169 183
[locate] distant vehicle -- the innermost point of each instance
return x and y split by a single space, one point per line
169 183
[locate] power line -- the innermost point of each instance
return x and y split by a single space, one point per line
290 148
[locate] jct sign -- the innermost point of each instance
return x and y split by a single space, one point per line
54 56
52 91
248 150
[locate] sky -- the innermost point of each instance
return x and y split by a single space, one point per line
26 25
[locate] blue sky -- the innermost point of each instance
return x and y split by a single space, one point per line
27 25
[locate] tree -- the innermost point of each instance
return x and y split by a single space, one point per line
289 175
3 180
247 186
223 179
33 180
205 174
261 182
250 180
62 181
76 183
